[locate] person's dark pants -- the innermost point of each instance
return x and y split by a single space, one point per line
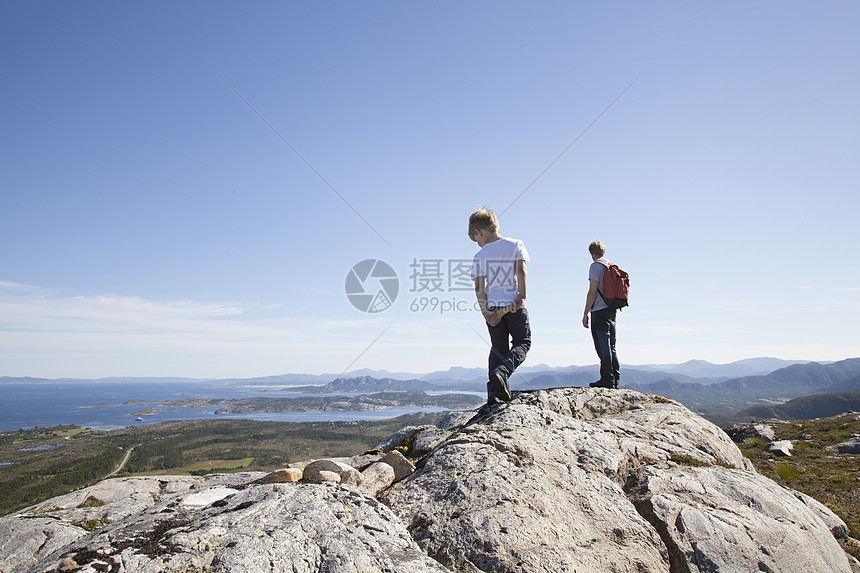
603 333
510 341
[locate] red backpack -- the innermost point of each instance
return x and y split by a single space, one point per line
616 286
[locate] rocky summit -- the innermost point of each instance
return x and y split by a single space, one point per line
561 480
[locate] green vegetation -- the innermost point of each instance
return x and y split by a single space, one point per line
689 461
39 435
74 458
215 467
198 447
752 443
92 524
786 471
831 478
806 407
92 502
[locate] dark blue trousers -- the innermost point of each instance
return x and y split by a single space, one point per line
603 333
510 341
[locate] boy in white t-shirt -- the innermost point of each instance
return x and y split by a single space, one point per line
499 272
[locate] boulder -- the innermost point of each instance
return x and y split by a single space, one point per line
313 471
350 476
375 478
400 437
286 475
402 466
780 448
28 536
454 420
328 529
362 461
849 447
741 432
836 525
429 439
578 479
208 496
324 476
715 519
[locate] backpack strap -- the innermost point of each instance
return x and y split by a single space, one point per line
606 264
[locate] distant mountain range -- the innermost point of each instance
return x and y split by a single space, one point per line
704 369
730 396
699 370
706 388
807 407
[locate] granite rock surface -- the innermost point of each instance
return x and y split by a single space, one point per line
562 480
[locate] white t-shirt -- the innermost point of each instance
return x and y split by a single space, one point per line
497 262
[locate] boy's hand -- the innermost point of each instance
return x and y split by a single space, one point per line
488 315
519 302
585 320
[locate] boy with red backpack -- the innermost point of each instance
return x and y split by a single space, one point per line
607 292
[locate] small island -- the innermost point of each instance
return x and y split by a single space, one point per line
325 403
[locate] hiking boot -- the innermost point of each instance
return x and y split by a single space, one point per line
602 384
491 394
499 384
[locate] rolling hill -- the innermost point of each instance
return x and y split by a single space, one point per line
807 407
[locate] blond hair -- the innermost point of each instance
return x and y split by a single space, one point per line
483 219
597 248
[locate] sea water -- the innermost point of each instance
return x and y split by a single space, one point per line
105 405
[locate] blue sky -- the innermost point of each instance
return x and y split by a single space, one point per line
151 224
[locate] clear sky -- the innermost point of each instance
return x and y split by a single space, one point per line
152 224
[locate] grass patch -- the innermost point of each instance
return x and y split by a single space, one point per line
91 502
688 461
205 467
755 442
800 447
92 524
786 471
830 478
219 464
72 432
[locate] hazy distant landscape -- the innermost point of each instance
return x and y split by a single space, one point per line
752 388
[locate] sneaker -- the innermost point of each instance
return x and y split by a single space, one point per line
499 383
